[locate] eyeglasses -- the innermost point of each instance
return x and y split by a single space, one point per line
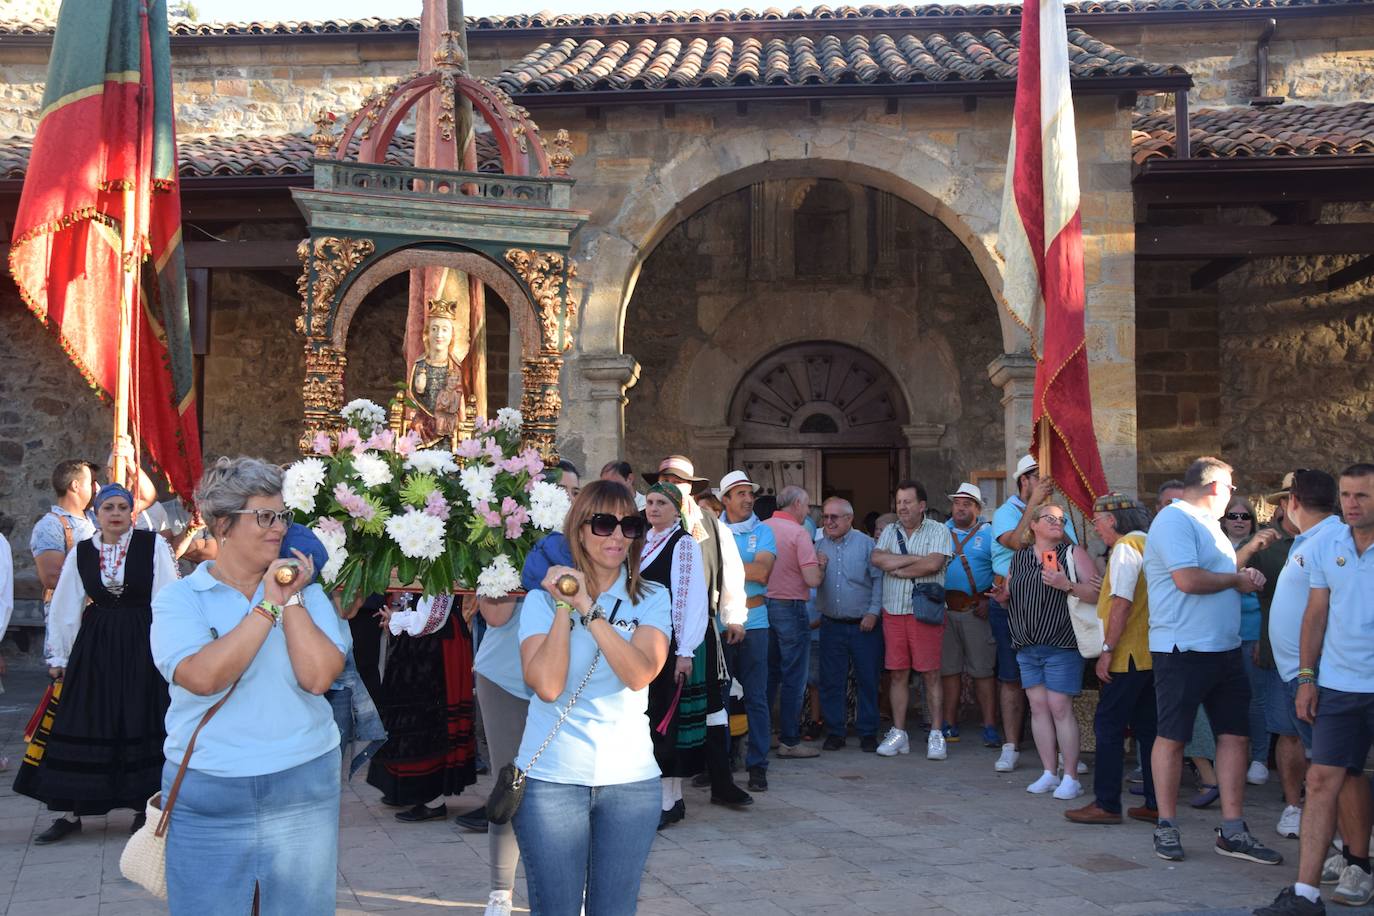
604 524
1052 519
267 517
1238 516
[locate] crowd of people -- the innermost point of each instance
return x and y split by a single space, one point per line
674 634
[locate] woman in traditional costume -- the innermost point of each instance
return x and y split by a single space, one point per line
426 706
677 696
104 748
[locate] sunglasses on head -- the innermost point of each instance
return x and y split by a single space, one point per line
1238 516
603 524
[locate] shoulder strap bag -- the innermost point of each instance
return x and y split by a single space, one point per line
1087 626
144 860
509 789
927 598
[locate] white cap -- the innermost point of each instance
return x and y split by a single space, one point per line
1026 465
735 479
970 491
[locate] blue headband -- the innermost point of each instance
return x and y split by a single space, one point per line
114 489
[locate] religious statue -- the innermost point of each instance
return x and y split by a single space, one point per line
436 380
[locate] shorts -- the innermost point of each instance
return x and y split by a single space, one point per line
1216 681
1053 668
1344 728
1280 711
910 644
968 646
1008 671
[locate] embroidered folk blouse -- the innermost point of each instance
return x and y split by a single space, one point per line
688 586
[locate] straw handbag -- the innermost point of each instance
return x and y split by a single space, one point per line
144 860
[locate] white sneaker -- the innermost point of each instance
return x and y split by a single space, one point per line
1080 769
1258 774
1068 788
935 745
1356 887
894 743
1289 821
498 904
1007 762
1332 868
1047 782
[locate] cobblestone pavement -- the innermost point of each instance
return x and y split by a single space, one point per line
845 833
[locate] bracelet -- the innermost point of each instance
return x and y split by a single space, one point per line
266 614
268 609
1307 672
1306 679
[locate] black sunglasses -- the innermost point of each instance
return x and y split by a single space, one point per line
1238 516
603 524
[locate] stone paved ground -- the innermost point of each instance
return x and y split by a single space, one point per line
846 833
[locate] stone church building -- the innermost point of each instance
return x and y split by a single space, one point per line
789 259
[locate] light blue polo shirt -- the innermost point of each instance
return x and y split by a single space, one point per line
1004 520
498 658
605 739
1347 662
758 539
978 551
1182 536
271 723
1290 597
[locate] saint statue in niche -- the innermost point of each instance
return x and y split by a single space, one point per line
436 379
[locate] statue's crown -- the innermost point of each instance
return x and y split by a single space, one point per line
441 308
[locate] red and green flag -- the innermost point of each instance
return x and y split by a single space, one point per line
101 191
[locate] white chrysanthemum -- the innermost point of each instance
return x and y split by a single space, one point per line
333 541
301 483
498 579
549 505
362 412
509 418
432 461
478 482
420 536
372 471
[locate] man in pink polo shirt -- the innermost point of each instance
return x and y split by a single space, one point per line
795 572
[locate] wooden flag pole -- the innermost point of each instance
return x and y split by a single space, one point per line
1043 431
124 377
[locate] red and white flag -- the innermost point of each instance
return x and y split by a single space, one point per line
1041 242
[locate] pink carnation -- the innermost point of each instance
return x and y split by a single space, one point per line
468 448
407 444
514 527
330 526
436 505
354 504
493 449
349 438
512 465
534 463
322 445
381 440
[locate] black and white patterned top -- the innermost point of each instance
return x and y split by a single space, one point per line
1038 615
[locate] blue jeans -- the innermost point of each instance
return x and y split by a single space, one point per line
789 652
586 840
748 662
1127 700
841 645
1259 696
280 831
1008 669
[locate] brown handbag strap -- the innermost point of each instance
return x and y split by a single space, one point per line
171 798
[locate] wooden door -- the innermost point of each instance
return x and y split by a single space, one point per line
775 468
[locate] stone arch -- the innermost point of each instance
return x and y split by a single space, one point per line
730 160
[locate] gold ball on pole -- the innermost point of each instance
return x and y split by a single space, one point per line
567 585
285 575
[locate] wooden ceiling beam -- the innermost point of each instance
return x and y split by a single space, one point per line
1176 243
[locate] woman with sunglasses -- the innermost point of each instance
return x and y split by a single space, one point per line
1042 634
591 801
677 696
257 814
104 749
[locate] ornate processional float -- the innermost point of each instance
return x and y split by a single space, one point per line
431 496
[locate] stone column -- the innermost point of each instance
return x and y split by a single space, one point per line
1014 373
923 441
711 450
601 420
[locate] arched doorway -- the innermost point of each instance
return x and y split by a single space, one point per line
823 415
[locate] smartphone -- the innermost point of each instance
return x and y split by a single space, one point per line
1050 560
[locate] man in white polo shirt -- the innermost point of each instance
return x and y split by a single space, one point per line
1194 591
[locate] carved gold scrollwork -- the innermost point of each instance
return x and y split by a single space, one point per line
323 138
544 273
322 391
541 402
331 260
561 158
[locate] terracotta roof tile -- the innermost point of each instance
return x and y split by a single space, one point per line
548 20
1283 130
211 156
680 62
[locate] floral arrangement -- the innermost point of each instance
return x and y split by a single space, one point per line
391 512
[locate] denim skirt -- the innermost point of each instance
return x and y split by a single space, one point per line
278 832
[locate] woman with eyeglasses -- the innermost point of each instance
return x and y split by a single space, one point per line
591 798
1241 525
1042 634
677 696
104 748
257 814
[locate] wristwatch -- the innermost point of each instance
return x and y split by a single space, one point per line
293 601
594 612
1106 647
